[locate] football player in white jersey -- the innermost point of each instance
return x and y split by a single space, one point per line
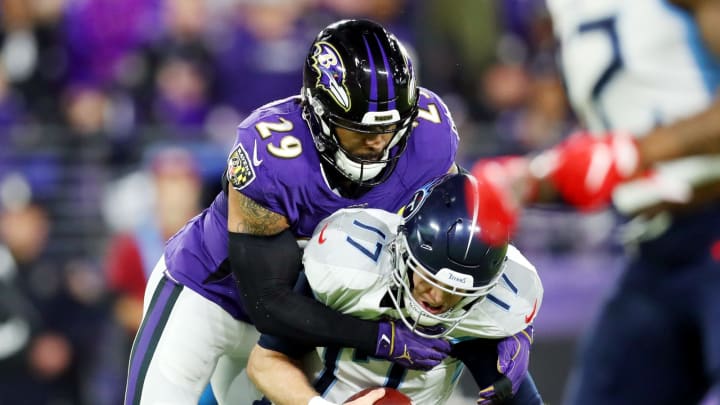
643 76
430 269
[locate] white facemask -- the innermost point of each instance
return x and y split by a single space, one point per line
359 171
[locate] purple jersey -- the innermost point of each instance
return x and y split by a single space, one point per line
274 162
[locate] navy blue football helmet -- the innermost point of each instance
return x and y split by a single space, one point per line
358 76
441 241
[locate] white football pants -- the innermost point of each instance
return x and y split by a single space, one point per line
185 341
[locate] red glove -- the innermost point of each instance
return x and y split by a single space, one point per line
585 169
502 189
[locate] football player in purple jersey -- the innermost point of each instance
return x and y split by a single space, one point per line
360 134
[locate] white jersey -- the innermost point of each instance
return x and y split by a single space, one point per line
633 65
348 264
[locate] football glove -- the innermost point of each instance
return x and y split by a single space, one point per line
585 169
513 362
400 345
504 185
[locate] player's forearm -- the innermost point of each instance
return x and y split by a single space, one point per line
707 16
279 377
696 135
315 324
266 269
266 260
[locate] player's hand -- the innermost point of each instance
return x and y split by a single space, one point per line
513 363
400 345
504 185
585 169
369 398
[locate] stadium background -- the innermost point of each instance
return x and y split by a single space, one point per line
115 121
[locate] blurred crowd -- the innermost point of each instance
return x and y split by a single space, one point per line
116 117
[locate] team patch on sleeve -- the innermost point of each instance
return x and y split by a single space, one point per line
240 172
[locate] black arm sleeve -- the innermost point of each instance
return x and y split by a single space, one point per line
480 357
285 346
267 268
290 347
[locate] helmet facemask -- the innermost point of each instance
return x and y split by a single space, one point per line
417 318
366 172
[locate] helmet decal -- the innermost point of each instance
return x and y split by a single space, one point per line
331 73
388 77
415 203
376 73
419 197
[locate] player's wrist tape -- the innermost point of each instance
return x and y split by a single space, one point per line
320 401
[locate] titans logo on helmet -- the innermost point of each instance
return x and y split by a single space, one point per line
415 203
419 197
331 73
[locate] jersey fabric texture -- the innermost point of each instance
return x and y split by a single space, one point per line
274 162
633 65
349 264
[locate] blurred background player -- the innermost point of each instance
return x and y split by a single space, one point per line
345 141
649 103
430 269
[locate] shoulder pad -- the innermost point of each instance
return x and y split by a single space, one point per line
509 307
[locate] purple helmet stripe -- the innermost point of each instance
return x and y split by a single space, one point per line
373 78
390 87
